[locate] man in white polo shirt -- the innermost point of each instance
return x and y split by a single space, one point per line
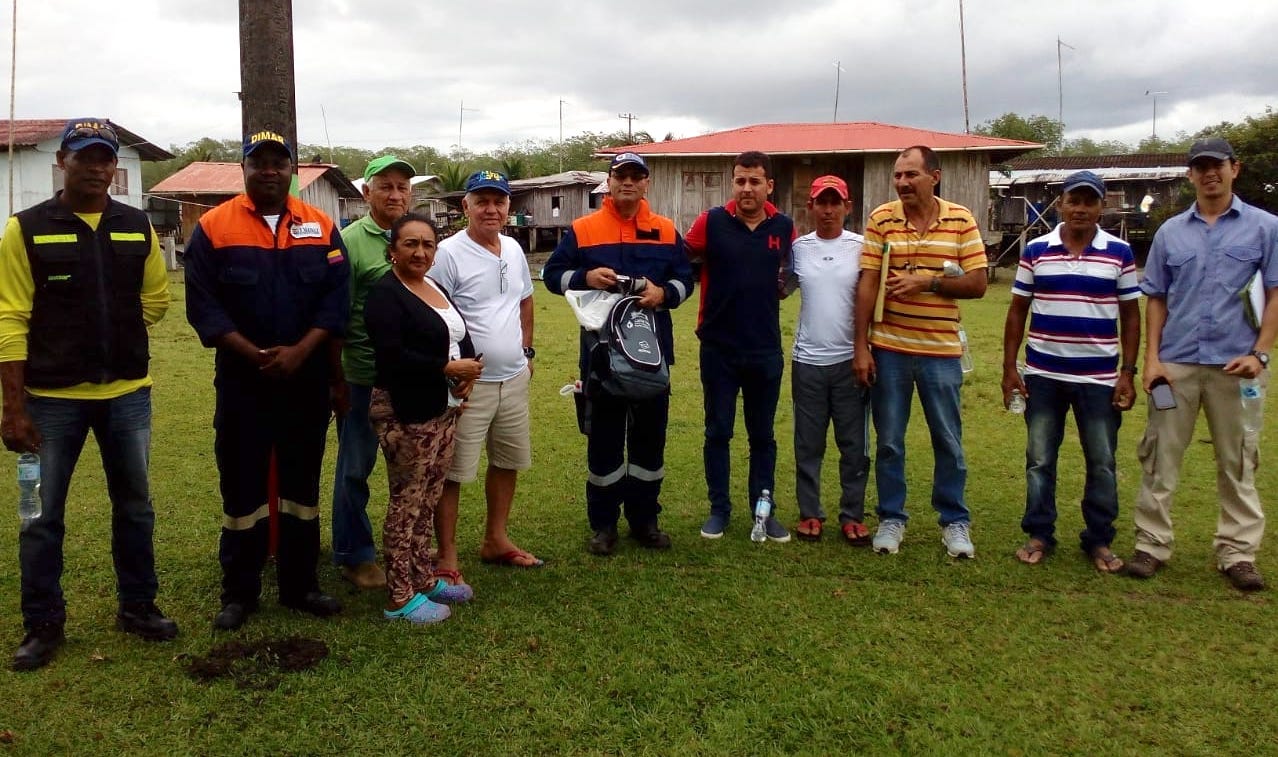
486 274
824 388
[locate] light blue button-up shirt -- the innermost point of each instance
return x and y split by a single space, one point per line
1199 270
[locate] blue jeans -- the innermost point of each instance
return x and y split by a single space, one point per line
356 456
939 380
1097 420
122 428
725 373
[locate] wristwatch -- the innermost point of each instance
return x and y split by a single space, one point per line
1263 357
530 353
935 286
1129 369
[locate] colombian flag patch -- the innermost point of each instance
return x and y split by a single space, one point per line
335 257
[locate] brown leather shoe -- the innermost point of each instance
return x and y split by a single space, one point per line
1244 576
1143 565
366 576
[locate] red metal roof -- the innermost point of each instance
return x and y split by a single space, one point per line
206 178
28 132
851 137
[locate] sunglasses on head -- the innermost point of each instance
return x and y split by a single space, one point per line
89 132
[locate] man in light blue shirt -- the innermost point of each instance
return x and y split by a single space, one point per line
1200 341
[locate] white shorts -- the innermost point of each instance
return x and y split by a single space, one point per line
497 412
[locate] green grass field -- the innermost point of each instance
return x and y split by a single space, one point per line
720 647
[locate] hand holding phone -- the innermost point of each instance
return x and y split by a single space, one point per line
1161 392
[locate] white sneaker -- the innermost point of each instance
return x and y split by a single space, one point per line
887 540
958 540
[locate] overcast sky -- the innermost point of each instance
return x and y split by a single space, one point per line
395 72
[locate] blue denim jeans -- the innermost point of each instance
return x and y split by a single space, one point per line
122 428
1097 420
938 380
725 373
356 456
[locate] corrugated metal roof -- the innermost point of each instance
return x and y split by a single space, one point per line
998 179
559 180
28 132
208 178
799 139
1094 162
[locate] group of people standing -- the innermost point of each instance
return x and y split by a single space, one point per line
424 347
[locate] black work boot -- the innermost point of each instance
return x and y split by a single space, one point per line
603 542
38 646
144 619
650 536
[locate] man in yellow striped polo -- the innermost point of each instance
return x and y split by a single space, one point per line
907 334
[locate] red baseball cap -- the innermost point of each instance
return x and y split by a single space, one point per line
823 183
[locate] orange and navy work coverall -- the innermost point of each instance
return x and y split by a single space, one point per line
271 288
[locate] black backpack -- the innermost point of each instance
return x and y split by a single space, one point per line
626 360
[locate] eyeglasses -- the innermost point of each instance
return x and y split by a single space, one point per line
501 268
90 132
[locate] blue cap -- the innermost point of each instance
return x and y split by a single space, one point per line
1080 179
265 137
627 159
79 133
487 180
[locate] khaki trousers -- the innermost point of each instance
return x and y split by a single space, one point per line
1241 522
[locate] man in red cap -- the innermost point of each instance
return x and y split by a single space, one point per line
827 263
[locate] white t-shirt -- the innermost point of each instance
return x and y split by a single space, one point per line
474 278
456 332
827 271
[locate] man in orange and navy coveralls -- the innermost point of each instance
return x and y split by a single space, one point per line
625 238
266 285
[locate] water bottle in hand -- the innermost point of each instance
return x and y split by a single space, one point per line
1252 395
28 487
1017 403
762 510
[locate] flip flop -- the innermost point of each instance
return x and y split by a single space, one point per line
856 533
1033 552
809 529
508 559
1109 562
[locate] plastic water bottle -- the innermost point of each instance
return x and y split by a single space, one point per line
28 487
1253 403
762 509
1017 403
965 360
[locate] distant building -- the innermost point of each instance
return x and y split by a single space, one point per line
693 174
36 175
202 186
544 207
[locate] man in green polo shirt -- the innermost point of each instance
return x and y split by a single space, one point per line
389 193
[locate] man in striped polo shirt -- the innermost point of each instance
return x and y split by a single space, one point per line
907 334
1078 285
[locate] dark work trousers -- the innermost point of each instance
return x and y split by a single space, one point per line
625 452
823 394
254 417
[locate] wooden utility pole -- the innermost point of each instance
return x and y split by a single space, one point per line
268 95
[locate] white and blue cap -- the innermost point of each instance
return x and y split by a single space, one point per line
628 159
1084 179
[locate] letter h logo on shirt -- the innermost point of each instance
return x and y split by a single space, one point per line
774 242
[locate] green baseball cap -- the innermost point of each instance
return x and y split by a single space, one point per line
377 165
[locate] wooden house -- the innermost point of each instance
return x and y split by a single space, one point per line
203 185
693 174
542 208
36 175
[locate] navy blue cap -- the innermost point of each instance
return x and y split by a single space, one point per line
79 133
1080 179
627 159
1216 148
487 180
265 137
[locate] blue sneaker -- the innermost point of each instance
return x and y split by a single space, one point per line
714 526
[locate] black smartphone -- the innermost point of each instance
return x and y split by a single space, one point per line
1161 392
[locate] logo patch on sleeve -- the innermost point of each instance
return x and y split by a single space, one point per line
335 257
